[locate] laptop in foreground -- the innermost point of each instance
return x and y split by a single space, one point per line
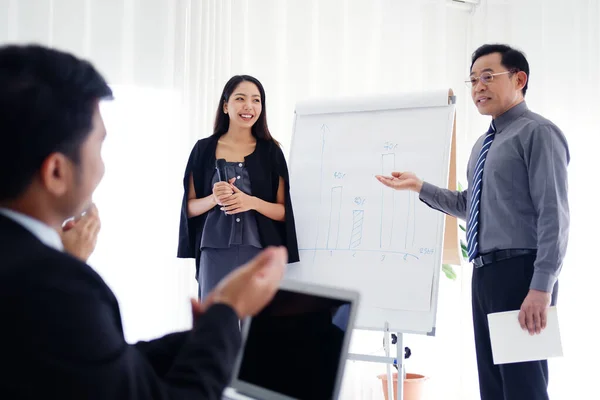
296 348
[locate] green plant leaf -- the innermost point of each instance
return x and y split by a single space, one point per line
449 271
460 187
462 228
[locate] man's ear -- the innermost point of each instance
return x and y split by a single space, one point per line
56 174
521 79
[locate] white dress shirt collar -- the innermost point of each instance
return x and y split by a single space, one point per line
40 230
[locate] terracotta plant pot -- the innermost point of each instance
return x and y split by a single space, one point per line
414 385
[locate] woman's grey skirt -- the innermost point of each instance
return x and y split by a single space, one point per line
215 264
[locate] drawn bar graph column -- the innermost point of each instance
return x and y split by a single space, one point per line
411 225
388 164
334 217
358 217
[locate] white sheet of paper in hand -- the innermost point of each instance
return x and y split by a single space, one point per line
511 344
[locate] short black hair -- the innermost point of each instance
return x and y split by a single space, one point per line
512 59
47 101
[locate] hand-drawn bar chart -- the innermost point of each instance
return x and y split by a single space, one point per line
356 213
354 231
358 218
334 217
411 224
388 164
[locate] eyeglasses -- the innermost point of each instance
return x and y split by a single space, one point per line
486 78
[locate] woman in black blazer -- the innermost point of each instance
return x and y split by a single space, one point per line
225 221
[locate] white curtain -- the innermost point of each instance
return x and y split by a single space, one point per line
169 59
300 49
138 46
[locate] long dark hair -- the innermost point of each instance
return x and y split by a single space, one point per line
260 129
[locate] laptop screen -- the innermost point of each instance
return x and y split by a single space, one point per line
295 345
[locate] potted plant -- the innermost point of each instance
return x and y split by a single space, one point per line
414 384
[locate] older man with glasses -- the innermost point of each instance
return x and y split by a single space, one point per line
517 215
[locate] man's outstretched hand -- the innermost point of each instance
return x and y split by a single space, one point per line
401 181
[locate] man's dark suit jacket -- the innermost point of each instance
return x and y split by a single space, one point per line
61 335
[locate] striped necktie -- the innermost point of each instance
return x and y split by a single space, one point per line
473 221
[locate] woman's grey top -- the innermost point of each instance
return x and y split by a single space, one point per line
223 231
